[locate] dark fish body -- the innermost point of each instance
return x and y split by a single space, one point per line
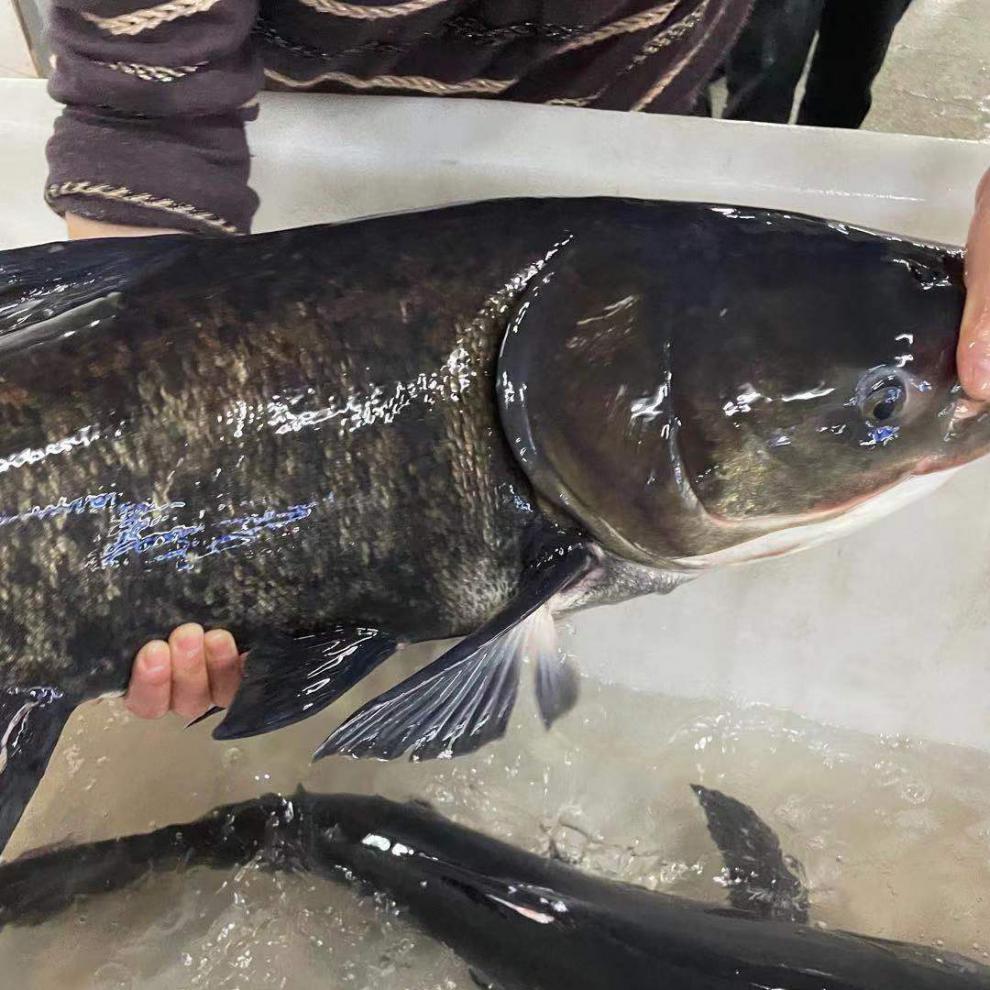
522 922
340 439
273 433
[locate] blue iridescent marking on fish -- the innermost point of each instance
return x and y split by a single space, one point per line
880 436
63 507
249 528
131 534
150 532
187 544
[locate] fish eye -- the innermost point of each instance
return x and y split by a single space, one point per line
882 398
887 402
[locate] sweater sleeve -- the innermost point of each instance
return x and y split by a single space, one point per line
156 99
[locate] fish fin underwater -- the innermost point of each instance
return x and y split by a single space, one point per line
31 722
763 880
464 699
41 883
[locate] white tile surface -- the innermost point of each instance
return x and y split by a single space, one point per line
936 78
886 632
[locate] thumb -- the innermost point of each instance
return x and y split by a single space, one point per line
973 356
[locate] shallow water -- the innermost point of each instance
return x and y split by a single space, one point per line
894 835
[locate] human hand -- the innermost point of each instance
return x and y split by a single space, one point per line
186 675
82 228
973 356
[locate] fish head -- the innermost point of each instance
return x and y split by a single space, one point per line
838 403
803 384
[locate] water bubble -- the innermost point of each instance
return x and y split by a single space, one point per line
916 791
113 976
232 755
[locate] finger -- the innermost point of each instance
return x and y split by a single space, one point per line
190 684
150 691
973 356
223 666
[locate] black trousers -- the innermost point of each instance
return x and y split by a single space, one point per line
763 70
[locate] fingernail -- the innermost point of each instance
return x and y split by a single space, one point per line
156 658
219 646
188 638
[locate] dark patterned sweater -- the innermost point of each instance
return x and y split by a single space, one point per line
157 96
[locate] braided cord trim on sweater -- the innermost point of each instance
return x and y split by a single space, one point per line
371 12
150 17
121 194
419 84
153 73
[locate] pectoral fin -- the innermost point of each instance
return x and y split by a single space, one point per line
287 679
762 879
464 699
556 677
31 721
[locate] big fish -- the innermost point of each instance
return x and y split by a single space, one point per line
341 439
521 921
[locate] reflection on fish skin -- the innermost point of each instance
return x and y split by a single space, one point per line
526 922
454 423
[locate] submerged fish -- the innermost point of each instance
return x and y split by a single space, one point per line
337 440
522 922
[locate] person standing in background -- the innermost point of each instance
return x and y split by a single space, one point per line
853 39
764 68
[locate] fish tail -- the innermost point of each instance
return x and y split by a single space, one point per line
43 882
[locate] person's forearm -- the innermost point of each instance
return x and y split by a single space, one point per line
82 228
153 131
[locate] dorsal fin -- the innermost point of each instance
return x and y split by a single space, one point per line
762 879
41 287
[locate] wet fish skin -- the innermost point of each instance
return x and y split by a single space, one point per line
523 921
193 392
289 375
337 440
